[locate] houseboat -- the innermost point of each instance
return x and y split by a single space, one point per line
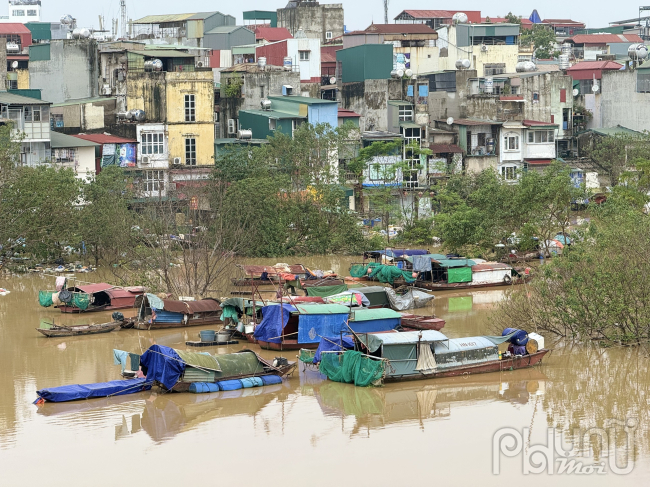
156 313
429 354
294 327
87 298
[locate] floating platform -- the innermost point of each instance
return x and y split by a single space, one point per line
211 344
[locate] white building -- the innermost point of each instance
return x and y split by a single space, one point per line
526 145
23 11
153 158
75 153
30 119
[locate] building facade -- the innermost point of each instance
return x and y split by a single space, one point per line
318 21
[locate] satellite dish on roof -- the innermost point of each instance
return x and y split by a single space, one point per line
450 121
332 80
576 91
595 88
14 64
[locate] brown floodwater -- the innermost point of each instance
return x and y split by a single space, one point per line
306 431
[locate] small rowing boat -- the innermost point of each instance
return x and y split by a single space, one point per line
77 330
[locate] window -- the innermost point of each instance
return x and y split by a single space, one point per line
18 13
512 142
12 84
190 108
304 55
273 123
65 155
328 35
562 96
509 173
190 151
57 120
32 13
152 143
642 83
405 113
541 136
153 181
492 69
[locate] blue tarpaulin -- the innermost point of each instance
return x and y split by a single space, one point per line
88 391
535 18
270 329
163 365
333 344
372 326
311 326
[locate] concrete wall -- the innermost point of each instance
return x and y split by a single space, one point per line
23 78
147 91
549 108
621 104
423 59
476 164
3 65
268 82
314 20
309 70
369 99
70 73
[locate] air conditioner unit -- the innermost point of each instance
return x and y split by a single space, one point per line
146 160
182 32
199 64
177 160
232 126
484 48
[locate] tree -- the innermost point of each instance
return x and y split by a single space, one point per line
512 18
542 38
617 154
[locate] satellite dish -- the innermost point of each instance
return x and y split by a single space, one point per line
595 88
576 91
450 121
332 80
14 64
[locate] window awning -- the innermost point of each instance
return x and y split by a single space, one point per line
410 125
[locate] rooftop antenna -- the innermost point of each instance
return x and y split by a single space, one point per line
385 11
123 17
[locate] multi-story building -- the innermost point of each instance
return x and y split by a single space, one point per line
318 21
526 145
304 53
30 119
435 18
23 11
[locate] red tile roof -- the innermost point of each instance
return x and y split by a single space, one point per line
328 53
400 29
511 97
525 23
14 28
105 139
591 65
473 16
343 113
445 149
604 38
272 34
539 161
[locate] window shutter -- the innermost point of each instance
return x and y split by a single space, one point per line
562 96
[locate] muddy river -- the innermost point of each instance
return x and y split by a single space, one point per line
309 431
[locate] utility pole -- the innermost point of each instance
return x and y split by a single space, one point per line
385 11
123 18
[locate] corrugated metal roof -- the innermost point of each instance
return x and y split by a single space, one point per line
94 288
322 309
161 19
375 340
12 99
14 28
535 123
451 263
472 15
84 100
604 38
375 314
105 139
162 53
591 65
60 141
400 29
272 34
561 22
225 29
467 121
619 129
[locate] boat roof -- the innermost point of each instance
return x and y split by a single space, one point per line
375 340
375 314
94 288
369 289
190 307
272 270
321 309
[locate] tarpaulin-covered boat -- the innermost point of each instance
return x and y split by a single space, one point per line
91 297
156 313
90 391
427 354
287 327
78 330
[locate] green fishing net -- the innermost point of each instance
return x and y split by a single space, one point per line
45 298
380 272
351 367
81 300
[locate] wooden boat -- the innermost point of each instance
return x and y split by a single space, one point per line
77 330
156 313
416 322
428 354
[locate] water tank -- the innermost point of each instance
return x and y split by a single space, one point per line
288 63
463 64
564 62
137 115
261 62
408 73
67 19
489 145
399 73
12 48
266 104
635 51
459 18
567 48
525 67
488 87
245 134
129 115
81 33
122 115
153 65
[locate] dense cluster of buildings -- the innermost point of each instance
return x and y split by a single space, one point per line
167 92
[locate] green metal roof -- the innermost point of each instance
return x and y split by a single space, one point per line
13 99
375 314
322 309
273 114
410 125
618 130
63 141
450 263
162 53
303 100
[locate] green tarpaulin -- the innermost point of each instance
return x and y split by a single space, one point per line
351 367
245 363
81 300
382 273
375 314
45 298
199 360
459 274
326 291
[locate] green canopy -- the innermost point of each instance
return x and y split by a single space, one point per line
326 291
375 314
199 360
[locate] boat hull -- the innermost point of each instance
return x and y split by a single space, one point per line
517 362
143 325
286 345
78 330
444 286
415 322
283 370
73 309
